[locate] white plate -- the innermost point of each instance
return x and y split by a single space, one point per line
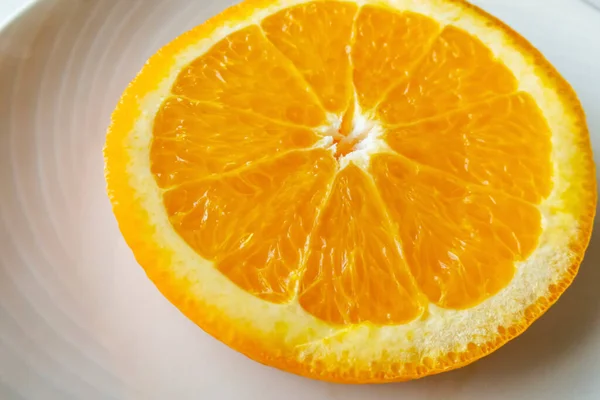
79 319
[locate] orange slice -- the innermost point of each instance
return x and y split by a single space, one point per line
354 191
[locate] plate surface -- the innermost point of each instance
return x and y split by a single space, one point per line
78 317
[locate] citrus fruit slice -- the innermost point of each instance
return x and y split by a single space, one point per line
354 191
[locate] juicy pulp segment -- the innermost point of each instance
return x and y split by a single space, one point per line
246 71
503 144
315 37
254 223
193 140
458 70
354 270
460 241
387 45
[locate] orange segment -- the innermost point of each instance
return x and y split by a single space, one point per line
315 37
354 271
459 70
388 45
246 71
194 139
503 144
460 242
254 224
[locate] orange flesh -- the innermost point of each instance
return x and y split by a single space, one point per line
227 219
354 272
318 49
440 217
458 70
460 241
388 46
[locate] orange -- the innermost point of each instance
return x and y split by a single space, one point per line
354 191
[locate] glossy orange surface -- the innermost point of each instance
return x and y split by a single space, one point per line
442 218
